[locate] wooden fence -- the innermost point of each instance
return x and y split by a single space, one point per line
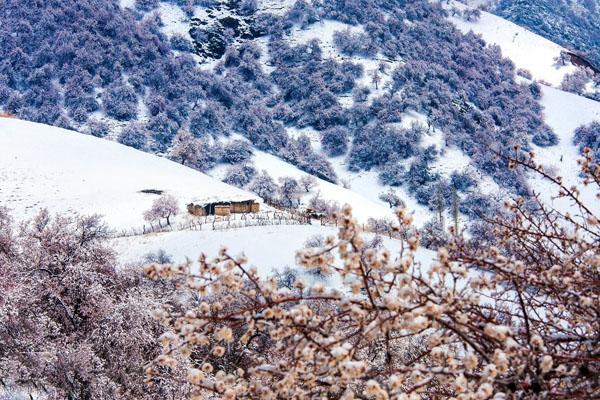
220 223
236 221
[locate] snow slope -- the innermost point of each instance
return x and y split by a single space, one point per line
363 207
526 49
564 112
65 171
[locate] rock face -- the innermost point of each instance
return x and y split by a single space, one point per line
223 24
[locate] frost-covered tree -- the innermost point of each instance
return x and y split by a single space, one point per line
73 325
383 226
181 43
307 183
236 151
434 235
303 13
392 173
146 5
120 102
248 7
334 141
185 149
98 128
165 207
163 129
208 120
354 43
289 191
462 181
545 138
264 186
327 208
576 81
588 136
471 14
133 135
392 198
240 175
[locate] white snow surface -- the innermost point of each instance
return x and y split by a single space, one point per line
525 48
564 112
174 20
268 248
65 171
127 3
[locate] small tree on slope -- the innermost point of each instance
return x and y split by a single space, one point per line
164 207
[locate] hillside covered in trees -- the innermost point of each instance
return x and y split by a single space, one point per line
112 71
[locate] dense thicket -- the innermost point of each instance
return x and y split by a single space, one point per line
463 86
72 324
63 61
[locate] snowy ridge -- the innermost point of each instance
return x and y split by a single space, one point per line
65 171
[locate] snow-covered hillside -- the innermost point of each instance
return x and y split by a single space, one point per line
565 112
526 49
65 171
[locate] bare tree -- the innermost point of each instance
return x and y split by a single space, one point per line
164 207
185 148
308 182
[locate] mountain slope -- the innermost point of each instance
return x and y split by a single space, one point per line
526 49
574 24
65 171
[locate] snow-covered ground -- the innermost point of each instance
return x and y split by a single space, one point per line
174 20
565 112
526 49
66 171
268 248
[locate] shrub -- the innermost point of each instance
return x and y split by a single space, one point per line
133 135
236 151
120 102
335 141
545 138
462 181
181 43
588 136
392 173
146 5
240 175
98 128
